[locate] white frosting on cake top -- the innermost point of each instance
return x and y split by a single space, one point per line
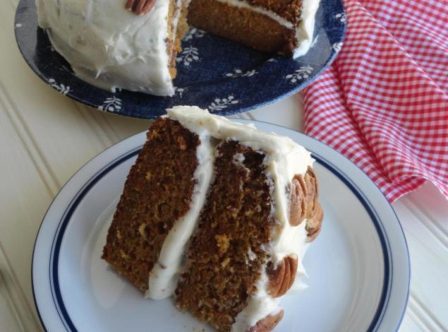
108 46
283 155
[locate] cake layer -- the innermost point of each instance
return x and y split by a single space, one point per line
287 9
243 25
158 192
285 26
227 252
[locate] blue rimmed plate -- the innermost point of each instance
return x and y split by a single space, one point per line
358 267
213 73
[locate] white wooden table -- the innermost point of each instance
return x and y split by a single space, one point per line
46 137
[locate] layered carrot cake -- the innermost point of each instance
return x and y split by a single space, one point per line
219 215
132 44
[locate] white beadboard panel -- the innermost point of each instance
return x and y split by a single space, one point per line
52 122
435 207
430 220
429 259
421 313
24 198
56 127
412 323
15 312
286 112
10 4
52 116
16 122
116 126
7 317
103 136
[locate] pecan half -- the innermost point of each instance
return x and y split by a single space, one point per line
303 197
282 276
268 323
314 224
297 201
140 7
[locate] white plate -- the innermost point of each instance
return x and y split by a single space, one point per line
358 267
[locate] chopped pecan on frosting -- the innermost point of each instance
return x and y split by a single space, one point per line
304 197
140 7
314 224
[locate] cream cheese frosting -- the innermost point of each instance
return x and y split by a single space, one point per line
305 30
108 46
261 304
283 160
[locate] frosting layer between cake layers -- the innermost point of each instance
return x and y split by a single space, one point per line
163 277
110 47
304 31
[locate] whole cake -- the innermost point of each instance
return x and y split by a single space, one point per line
109 46
219 215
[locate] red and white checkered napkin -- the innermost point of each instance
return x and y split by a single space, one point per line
384 101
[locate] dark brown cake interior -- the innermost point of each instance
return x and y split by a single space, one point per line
288 9
174 42
157 192
225 255
249 27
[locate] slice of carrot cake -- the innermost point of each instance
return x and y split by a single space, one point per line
219 214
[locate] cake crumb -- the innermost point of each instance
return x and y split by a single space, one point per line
225 262
251 255
153 134
142 232
222 242
182 143
124 255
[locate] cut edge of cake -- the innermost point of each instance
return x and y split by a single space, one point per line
158 191
261 24
163 277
